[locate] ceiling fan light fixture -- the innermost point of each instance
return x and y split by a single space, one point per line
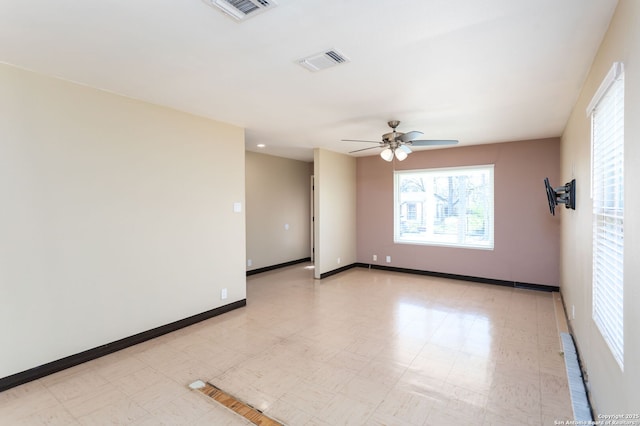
396 144
387 154
400 154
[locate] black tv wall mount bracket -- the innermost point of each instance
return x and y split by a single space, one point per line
565 194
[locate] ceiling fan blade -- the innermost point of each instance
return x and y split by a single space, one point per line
410 136
363 149
405 148
434 142
358 140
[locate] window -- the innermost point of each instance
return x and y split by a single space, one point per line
450 207
412 211
607 191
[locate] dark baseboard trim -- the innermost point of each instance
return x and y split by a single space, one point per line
91 354
540 287
337 271
514 284
278 266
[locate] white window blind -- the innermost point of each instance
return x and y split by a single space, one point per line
607 187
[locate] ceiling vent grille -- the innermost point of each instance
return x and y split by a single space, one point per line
242 9
320 61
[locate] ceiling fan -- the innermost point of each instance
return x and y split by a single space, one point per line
398 144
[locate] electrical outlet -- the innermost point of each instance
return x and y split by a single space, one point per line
223 293
388 259
375 257
249 262
286 226
338 261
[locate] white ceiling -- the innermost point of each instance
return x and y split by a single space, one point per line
480 71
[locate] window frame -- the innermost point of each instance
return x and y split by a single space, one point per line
607 195
397 205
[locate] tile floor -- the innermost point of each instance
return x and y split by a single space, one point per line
363 347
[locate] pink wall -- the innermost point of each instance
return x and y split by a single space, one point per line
527 240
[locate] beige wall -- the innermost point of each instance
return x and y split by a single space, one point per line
335 210
117 217
278 192
526 235
613 391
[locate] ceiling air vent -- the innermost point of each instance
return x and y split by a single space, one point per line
326 59
242 9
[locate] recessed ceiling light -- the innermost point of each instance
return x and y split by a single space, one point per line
261 145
